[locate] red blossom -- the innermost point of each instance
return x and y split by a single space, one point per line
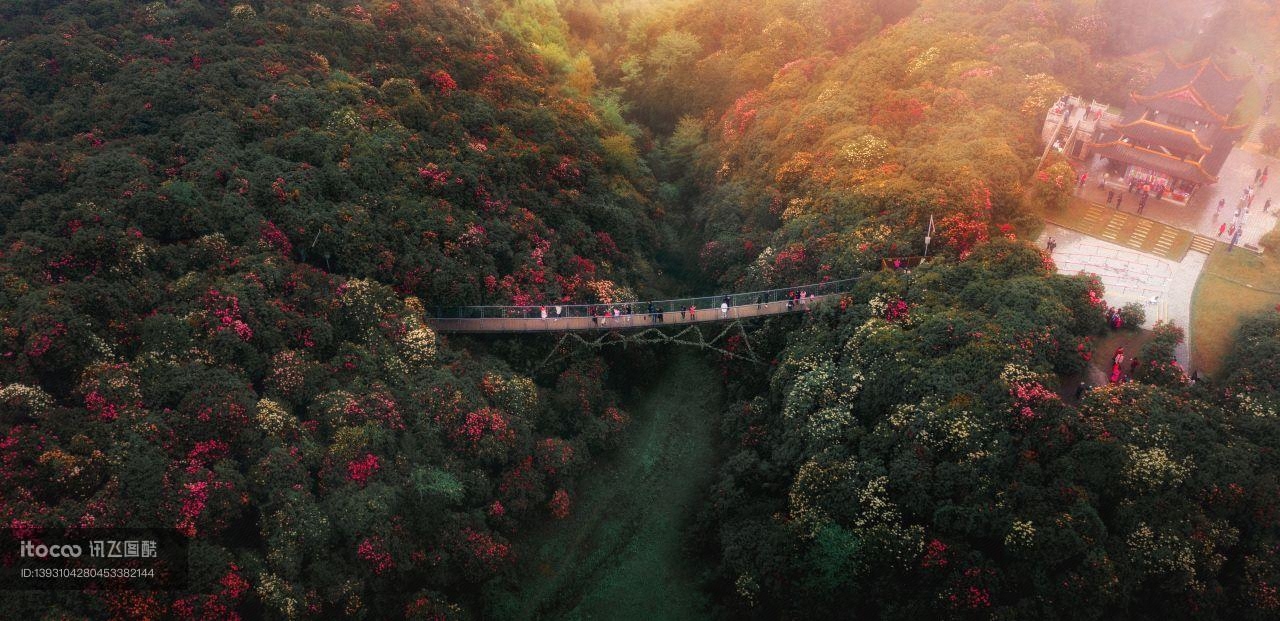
433 175
736 121
1029 395
559 504
361 468
935 554
968 227
195 495
226 308
273 237
373 550
554 454
205 453
443 82
482 423
101 408
233 583
485 549
42 342
897 310
566 170
898 113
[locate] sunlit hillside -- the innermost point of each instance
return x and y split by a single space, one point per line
640 309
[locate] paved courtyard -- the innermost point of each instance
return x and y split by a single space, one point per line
1201 214
1162 286
1146 264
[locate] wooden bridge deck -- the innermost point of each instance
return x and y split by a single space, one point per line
623 322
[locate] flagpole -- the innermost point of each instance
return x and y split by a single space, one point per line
928 236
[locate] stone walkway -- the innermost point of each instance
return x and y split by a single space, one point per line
1163 286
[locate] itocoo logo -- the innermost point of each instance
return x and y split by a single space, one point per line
28 549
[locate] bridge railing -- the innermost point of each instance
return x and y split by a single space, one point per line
701 303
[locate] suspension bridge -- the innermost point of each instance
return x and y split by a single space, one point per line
633 316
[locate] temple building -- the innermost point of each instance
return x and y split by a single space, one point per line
1174 136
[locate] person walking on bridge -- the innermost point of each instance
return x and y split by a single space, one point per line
543 311
724 308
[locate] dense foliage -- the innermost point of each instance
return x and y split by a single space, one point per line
920 463
911 456
222 223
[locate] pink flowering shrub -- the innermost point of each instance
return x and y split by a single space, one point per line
271 235
736 121
225 308
194 497
483 424
443 82
1027 397
968 226
559 504
362 468
486 552
101 408
373 550
935 555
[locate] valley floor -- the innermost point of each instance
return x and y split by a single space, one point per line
620 554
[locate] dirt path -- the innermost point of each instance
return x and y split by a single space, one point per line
619 556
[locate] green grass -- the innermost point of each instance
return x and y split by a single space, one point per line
620 554
1232 286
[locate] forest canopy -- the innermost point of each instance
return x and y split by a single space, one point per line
224 226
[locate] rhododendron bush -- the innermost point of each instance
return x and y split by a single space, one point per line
923 435
213 285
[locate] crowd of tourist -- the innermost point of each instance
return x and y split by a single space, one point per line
626 314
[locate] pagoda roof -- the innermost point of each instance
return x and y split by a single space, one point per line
1182 169
1222 145
1200 90
1176 138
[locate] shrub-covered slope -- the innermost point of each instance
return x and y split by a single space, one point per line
221 225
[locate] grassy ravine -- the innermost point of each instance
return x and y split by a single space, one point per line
619 554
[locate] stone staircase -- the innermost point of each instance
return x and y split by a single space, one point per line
1200 243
